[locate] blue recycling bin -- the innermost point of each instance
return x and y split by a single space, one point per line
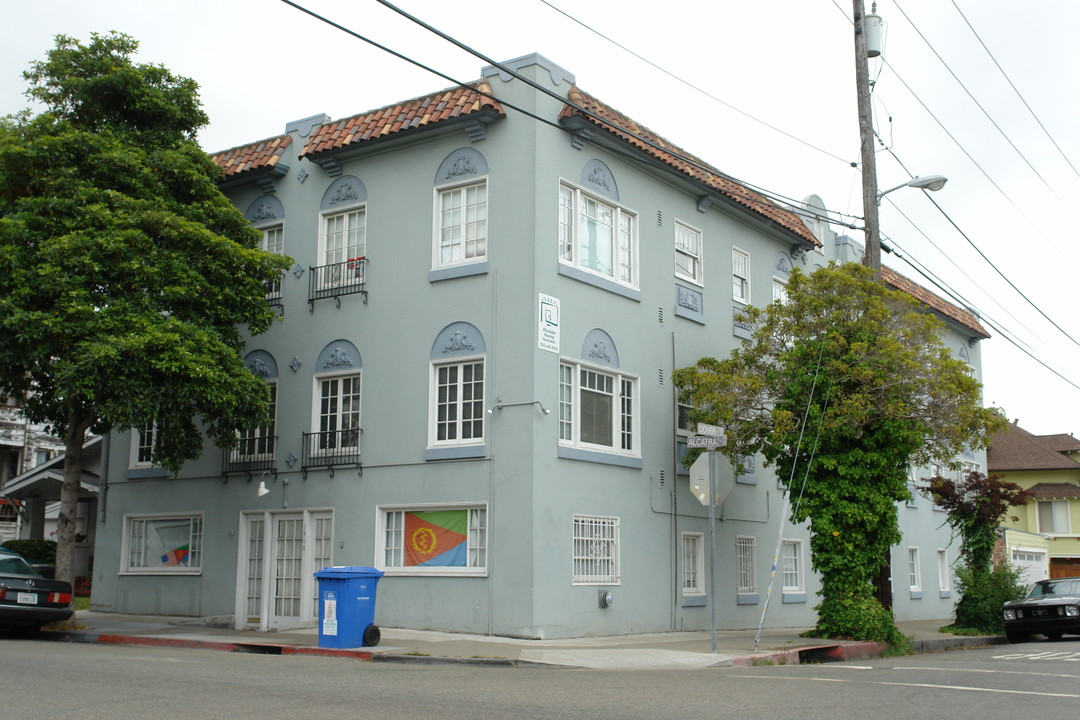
347 606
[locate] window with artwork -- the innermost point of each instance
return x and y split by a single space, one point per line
433 540
157 544
597 236
596 550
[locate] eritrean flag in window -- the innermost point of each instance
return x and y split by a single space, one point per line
436 539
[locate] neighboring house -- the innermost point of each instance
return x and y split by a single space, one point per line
23 446
1048 466
471 384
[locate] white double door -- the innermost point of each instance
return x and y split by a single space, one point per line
277 556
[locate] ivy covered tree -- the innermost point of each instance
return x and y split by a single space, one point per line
124 272
975 506
841 388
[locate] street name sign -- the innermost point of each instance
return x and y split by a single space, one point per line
705 441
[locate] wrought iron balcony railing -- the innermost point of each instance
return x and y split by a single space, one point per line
337 279
254 453
331 448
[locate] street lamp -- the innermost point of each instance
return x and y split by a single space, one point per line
933 183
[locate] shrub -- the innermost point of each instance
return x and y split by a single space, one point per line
859 617
34 550
982 595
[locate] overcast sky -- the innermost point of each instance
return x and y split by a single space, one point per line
713 77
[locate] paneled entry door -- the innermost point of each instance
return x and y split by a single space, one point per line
277 556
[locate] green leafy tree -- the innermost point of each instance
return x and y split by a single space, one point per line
124 272
975 506
842 388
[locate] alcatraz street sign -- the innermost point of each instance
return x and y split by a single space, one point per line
704 441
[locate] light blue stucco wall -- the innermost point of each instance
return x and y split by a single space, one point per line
531 493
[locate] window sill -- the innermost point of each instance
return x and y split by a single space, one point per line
944 593
694 601
572 453
146 473
794 597
603 283
461 452
159 572
748 599
458 271
916 594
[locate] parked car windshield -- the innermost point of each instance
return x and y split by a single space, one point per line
14 565
1060 587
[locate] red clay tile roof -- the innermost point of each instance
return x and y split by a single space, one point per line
1016 449
256 156
408 115
946 308
639 136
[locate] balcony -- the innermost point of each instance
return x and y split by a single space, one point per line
254 453
331 449
273 295
337 279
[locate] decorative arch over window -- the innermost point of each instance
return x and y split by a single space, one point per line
262 364
265 210
456 411
338 356
460 232
459 339
598 178
344 192
599 348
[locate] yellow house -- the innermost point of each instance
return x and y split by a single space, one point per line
1048 466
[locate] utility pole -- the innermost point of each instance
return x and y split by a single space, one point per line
872 254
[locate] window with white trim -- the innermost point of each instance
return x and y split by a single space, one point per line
779 291
338 412
791 566
162 544
943 574
688 253
433 540
461 230
458 402
745 551
273 241
740 276
1053 516
914 572
258 443
597 236
693 567
344 247
596 549
143 441
598 408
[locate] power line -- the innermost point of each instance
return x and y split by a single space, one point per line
1015 90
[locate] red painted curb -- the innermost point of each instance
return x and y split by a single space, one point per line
327 652
165 642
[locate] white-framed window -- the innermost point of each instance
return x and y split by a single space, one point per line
740 276
943 574
457 416
746 574
258 443
693 567
1053 516
461 224
685 426
791 566
162 544
596 550
143 441
337 412
914 571
344 236
597 236
688 249
433 539
273 241
966 468
598 408
779 291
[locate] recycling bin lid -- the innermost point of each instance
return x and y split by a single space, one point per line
348 571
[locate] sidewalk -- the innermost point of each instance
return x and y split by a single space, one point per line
653 650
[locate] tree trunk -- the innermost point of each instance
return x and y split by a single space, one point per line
69 497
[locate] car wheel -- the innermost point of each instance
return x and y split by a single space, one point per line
1017 636
26 631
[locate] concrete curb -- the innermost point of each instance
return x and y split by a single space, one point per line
793 656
